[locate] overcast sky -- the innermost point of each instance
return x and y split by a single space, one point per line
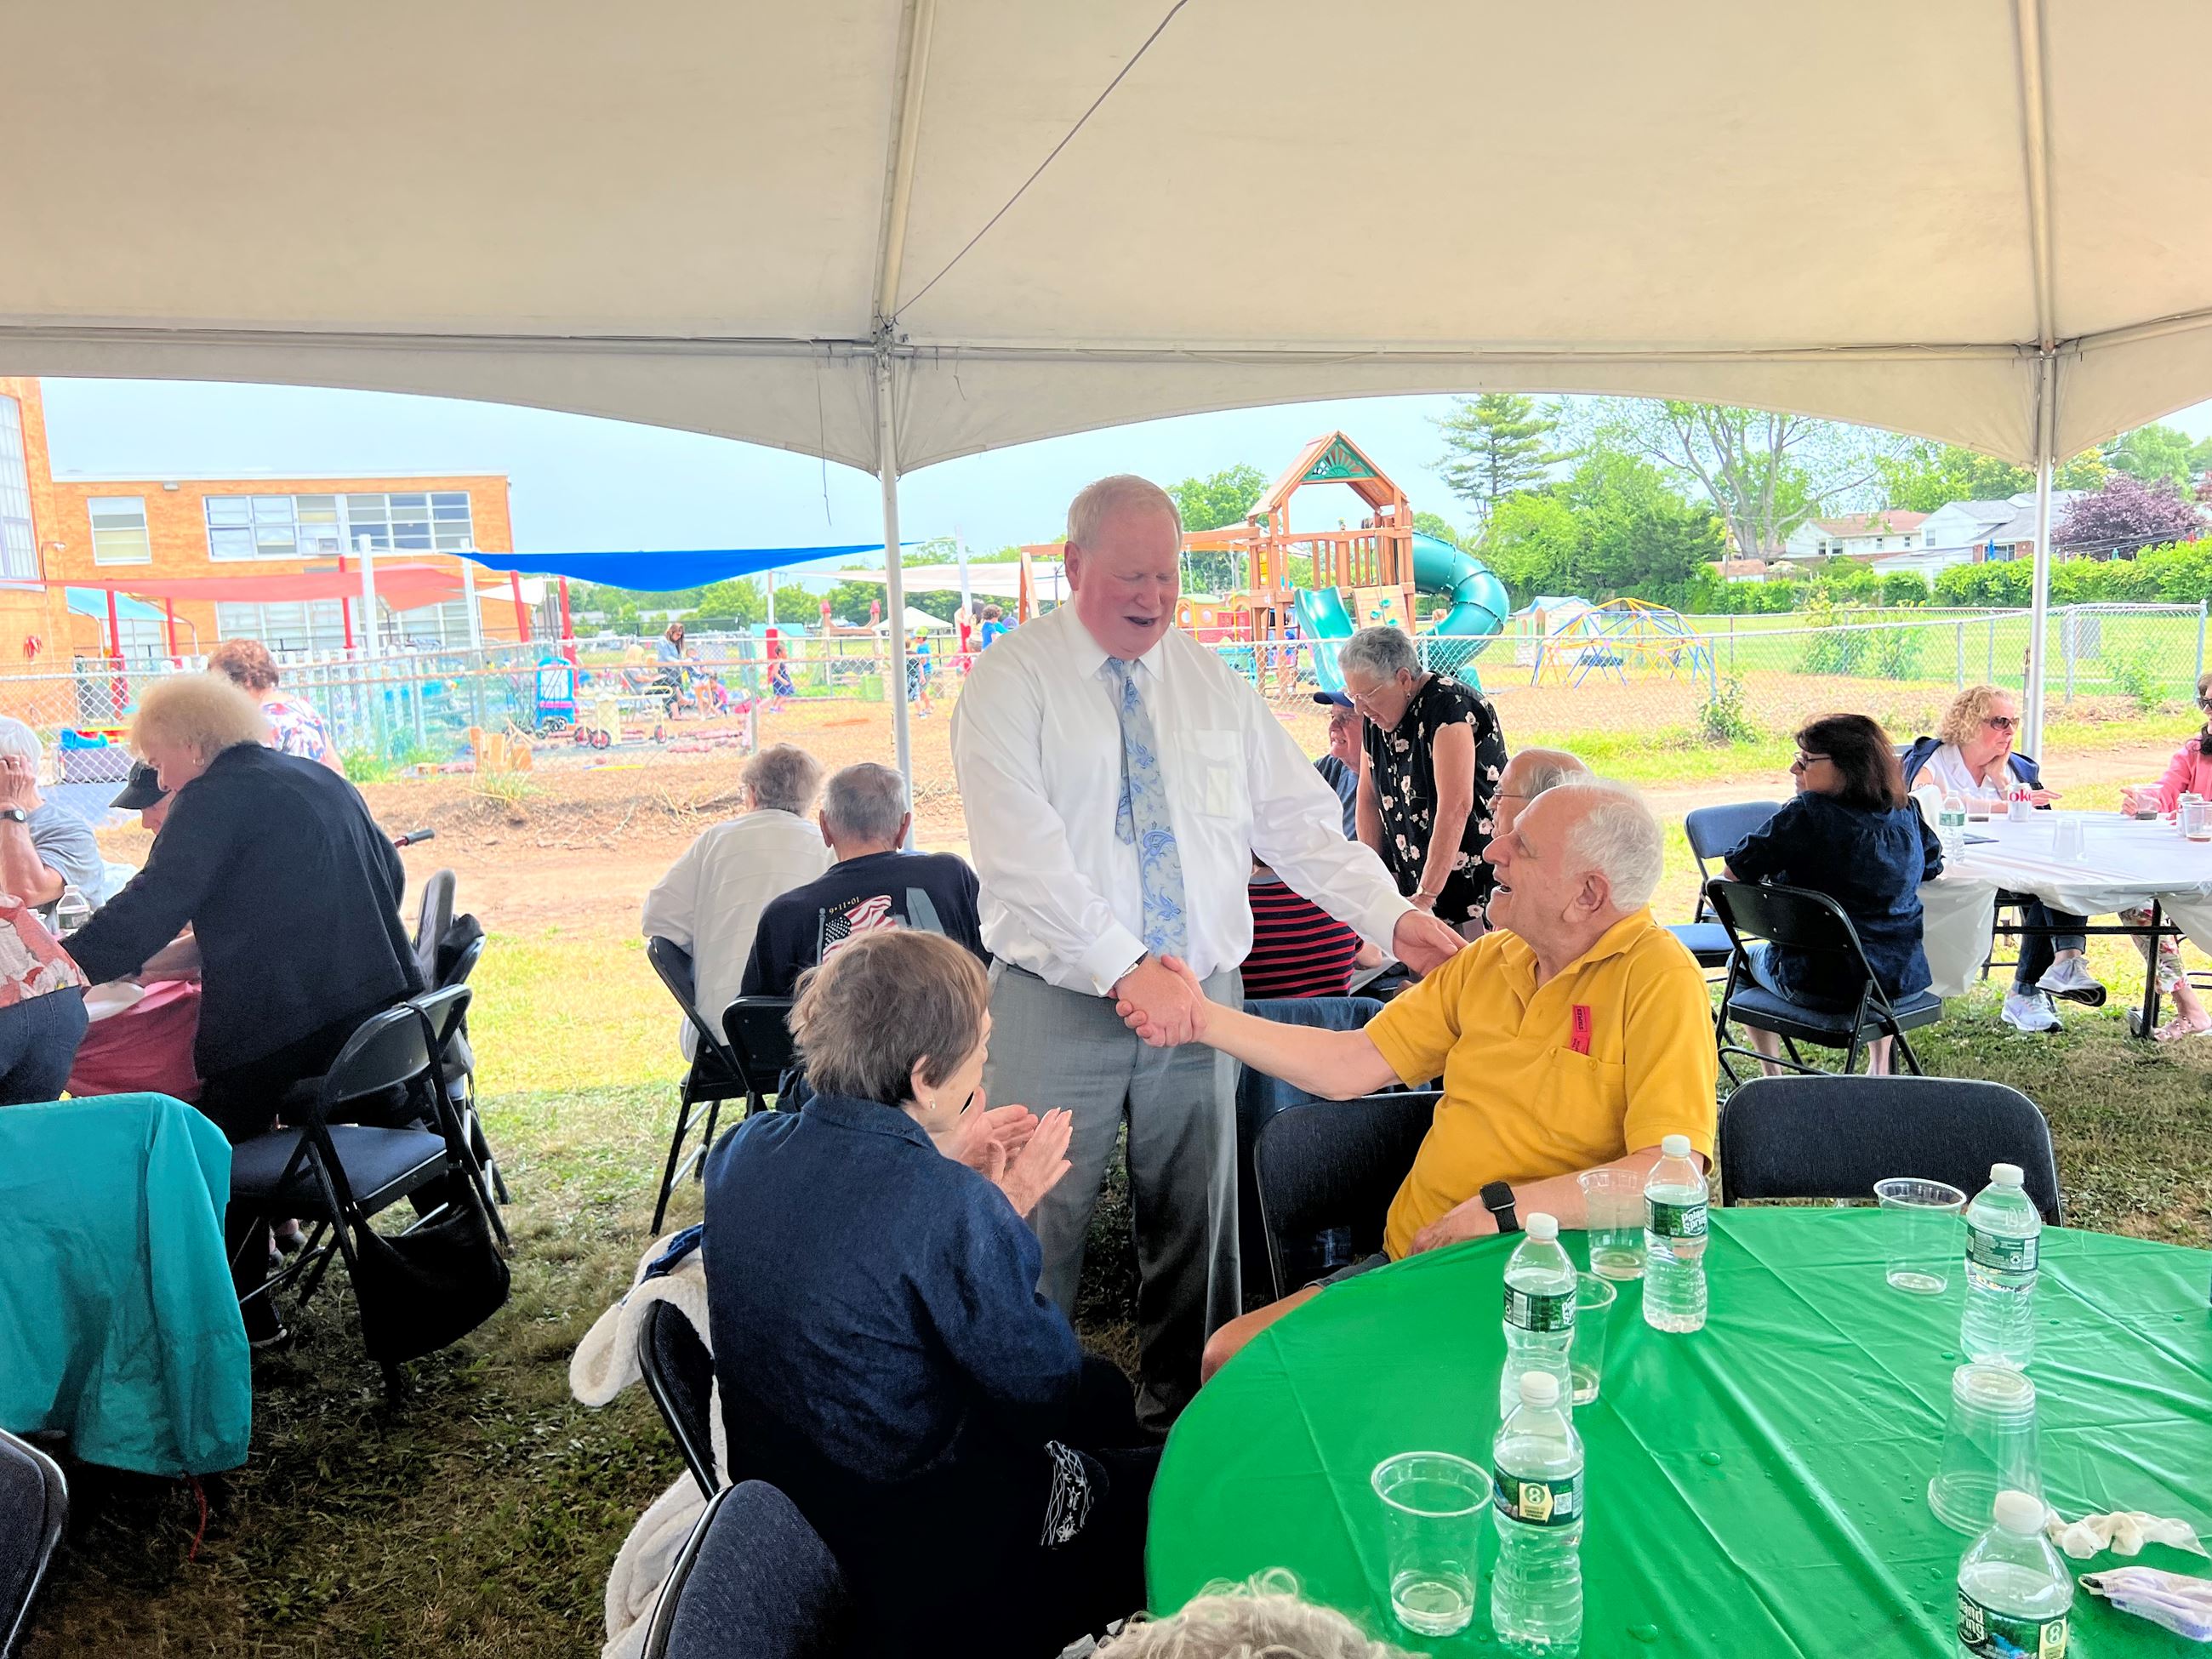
580 485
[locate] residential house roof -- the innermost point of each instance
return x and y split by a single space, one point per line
1884 521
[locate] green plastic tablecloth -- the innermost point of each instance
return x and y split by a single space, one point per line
1756 1488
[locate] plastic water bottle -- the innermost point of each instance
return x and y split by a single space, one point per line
71 911
1536 1473
1951 827
1674 1196
2004 1236
1539 1312
2013 1592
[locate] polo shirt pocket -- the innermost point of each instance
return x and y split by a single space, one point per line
1583 1100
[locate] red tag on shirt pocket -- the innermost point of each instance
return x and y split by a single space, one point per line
1580 1040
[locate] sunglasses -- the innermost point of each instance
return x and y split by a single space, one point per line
1999 722
1804 760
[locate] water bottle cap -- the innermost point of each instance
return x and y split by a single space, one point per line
1542 1388
2016 1512
2006 1175
1675 1145
1546 1227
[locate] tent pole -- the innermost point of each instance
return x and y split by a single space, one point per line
2039 612
893 578
369 629
469 598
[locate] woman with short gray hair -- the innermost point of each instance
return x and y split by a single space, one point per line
1433 752
884 1355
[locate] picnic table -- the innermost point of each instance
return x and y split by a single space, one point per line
1757 1487
2126 864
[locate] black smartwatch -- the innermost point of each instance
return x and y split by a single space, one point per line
15 814
1497 1198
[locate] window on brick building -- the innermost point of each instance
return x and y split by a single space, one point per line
317 625
19 549
118 530
323 527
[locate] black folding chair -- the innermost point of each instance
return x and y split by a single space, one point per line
774 1589
679 1374
759 1033
1326 1171
1834 1137
33 1510
432 920
447 1009
1800 920
1711 831
337 1176
713 1078
458 1063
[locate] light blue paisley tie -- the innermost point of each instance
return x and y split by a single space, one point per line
1140 820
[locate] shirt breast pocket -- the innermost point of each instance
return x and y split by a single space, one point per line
1215 760
1583 1100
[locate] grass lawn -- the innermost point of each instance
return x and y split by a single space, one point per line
480 1517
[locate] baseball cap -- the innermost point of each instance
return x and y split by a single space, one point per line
1334 699
143 789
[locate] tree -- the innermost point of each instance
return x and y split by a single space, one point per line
1639 534
849 602
1765 473
1208 504
2126 516
1533 543
1435 524
1919 476
1496 446
738 600
2153 453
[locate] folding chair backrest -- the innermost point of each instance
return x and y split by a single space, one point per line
1332 1167
1834 1137
463 965
679 1374
392 1050
758 1030
753 1580
673 963
436 915
1713 829
33 1508
447 1007
1795 917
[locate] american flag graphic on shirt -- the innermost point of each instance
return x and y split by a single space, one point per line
840 927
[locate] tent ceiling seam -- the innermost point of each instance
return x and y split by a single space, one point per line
917 19
2035 137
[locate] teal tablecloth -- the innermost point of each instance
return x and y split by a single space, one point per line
1756 1489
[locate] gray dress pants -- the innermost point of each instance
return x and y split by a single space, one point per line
1054 1048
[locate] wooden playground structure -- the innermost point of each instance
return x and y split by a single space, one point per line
1373 562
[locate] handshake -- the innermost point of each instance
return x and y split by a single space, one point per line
1163 1002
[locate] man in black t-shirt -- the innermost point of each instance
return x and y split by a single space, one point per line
873 885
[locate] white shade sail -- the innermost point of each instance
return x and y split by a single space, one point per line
723 215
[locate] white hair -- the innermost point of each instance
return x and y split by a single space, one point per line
1381 651
1094 503
783 778
18 739
1620 839
1545 769
865 802
1264 1618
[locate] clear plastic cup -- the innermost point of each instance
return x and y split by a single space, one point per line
1614 1202
1594 1300
1989 1447
1920 1232
1433 1508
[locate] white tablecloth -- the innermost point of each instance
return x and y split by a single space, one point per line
2125 862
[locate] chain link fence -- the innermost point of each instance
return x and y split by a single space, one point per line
619 709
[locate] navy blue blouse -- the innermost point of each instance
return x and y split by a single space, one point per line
1869 861
872 1298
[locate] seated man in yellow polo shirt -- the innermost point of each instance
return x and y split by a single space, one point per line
1574 1035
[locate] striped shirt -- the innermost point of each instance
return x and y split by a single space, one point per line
1298 948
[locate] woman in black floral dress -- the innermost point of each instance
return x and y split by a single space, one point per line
1433 752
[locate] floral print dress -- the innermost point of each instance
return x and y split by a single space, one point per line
1402 762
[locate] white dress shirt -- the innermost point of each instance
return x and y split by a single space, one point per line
1947 767
711 899
1036 745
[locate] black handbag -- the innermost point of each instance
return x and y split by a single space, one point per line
419 1291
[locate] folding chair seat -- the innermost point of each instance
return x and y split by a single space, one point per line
753 1580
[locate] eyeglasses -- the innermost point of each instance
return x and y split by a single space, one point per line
1804 760
2000 722
2205 702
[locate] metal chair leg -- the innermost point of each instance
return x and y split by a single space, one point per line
675 1153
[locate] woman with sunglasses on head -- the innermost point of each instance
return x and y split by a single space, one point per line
1852 833
2189 773
1971 756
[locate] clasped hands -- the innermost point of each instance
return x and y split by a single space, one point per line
1163 1002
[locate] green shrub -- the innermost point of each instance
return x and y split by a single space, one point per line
1896 653
1905 587
1722 719
2134 669
1835 647
365 766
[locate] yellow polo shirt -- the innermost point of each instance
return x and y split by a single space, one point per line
1524 1097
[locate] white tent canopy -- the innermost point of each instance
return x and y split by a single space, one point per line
807 225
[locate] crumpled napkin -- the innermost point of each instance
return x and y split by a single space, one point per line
2124 1532
2171 1600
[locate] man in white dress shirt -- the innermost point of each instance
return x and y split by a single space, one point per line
1119 779
710 901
